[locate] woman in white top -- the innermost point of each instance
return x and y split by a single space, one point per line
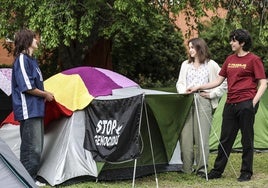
198 70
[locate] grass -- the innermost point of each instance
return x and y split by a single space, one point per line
174 179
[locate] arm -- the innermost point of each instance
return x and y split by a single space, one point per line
181 83
216 92
219 91
262 87
44 94
209 85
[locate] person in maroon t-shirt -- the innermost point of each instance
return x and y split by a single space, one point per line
246 81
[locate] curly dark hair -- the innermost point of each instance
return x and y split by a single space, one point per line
242 35
23 40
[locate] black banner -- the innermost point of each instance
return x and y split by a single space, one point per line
112 129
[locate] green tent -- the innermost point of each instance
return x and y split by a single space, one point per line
260 126
166 114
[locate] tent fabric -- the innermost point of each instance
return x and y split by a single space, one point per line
110 171
172 109
260 126
10 134
113 136
6 105
13 174
53 111
5 83
170 113
95 77
80 85
72 87
64 157
75 88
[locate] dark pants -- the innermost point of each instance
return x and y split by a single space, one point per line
237 116
32 133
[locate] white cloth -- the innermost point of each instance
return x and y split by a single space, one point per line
214 70
5 81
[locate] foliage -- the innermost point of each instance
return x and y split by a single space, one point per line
217 40
5 66
147 44
150 52
250 15
68 30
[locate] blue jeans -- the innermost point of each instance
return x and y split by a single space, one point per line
32 138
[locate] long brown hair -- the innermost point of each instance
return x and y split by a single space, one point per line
23 40
201 49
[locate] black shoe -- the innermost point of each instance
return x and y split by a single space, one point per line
244 177
201 174
213 175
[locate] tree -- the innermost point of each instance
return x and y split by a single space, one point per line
247 14
68 29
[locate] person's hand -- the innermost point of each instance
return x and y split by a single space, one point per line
192 90
205 94
49 96
254 103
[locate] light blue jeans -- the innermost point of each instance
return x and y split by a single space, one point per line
32 138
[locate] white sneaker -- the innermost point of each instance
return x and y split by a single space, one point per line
39 184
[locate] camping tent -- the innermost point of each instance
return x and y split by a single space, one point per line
13 174
65 158
260 126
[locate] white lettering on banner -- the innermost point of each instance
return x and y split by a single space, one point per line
108 133
106 140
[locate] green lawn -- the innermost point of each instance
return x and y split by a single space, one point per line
174 179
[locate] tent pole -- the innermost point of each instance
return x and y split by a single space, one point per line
220 144
135 161
200 132
134 173
151 145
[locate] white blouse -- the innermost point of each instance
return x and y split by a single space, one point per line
197 76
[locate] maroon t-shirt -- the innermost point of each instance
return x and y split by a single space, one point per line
242 75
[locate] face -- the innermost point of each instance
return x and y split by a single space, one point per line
192 50
236 47
34 44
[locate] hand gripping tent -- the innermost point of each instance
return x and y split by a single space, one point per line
82 91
